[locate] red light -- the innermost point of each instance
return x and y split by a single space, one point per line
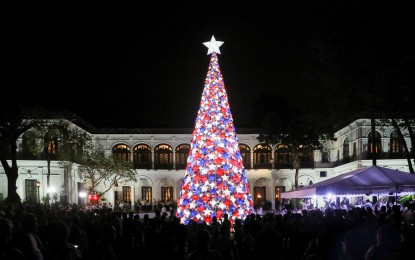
93 198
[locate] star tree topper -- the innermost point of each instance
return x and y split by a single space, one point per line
213 45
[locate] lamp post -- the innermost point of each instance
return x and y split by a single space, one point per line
52 194
82 196
38 194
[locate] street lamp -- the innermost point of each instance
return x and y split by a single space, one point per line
82 195
38 194
52 193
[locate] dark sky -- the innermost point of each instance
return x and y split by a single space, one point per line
143 64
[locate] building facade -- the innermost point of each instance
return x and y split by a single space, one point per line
159 158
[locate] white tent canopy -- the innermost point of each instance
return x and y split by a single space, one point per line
365 181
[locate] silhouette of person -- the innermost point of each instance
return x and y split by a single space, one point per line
7 250
28 240
203 247
58 247
226 224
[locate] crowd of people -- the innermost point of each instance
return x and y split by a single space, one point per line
46 232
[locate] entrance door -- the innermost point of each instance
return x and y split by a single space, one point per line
259 196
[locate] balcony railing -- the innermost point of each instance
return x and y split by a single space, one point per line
142 166
262 166
163 166
307 164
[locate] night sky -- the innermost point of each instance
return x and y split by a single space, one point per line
143 63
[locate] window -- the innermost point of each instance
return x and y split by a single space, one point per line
52 144
283 154
182 153
163 155
126 194
166 193
346 152
260 195
262 156
142 157
146 194
31 191
395 144
324 156
374 145
246 155
122 152
323 174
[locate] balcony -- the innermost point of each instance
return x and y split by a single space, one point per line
163 166
262 166
142 166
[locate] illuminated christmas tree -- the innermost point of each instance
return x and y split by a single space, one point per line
215 180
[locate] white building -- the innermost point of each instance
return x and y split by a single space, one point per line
159 158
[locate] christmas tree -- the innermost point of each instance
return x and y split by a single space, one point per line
215 180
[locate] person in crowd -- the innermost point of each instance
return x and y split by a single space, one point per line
305 204
408 216
264 241
28 240
323 246
163 210
224 244
78 235
368 204
395 218
259 211
203 249
356 243
215 225
7 250
387 245
57 246
226 223
104 248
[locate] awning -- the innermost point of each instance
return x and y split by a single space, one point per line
365 181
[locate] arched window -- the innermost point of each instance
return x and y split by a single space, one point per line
262 156
283 157
147 195
306 157
246 155
346 152
163 157
122 152
374 146
182 153
142 157
52 139
395 145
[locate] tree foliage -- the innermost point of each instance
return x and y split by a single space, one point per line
14 121
101 172
293 128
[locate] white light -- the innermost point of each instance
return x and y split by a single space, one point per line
82 194
329 195
51 189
